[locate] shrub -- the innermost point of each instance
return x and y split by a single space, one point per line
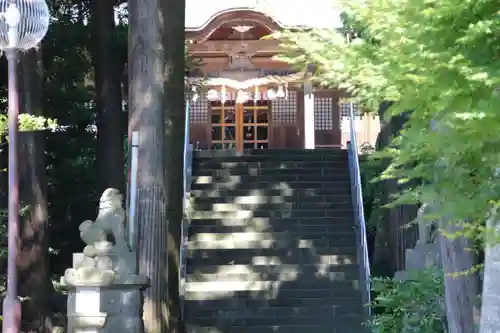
414 305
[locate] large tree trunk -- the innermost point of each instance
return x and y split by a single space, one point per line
173 40
147 115
461 290
490 311
34 275
110 117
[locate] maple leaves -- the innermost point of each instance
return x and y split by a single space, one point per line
439 59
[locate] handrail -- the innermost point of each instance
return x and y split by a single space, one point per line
187 167
188 152
357 200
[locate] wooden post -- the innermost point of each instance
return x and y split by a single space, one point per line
309 116
147 116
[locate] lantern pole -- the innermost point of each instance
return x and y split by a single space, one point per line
11 303
25 24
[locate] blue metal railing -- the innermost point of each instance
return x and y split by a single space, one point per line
188 160
357 201
188 154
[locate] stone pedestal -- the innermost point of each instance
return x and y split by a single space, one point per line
104 292
84 315
421 257
106 307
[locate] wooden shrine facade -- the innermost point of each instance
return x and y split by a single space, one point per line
249 100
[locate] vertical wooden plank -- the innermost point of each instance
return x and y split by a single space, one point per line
200 135
239 127
299 122
336 133
284 123
276 137
274 140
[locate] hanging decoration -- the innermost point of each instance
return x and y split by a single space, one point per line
223 95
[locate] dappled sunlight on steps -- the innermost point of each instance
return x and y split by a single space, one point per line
272 244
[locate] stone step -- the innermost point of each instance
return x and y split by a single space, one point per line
272 273
274 312
269 313
211 164
339 186
283 191
327 225
260 223
221 156
272 289
238 179
333 326
273 256
262 302
324 308
232 207
346 212
266 240
312 268
282 172
275 199
269 152
304 283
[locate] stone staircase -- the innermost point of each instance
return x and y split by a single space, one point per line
272 244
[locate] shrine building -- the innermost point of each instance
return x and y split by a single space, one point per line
249 100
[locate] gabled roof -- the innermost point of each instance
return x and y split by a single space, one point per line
286 13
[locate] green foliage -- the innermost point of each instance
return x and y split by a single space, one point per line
29 122
370 171
411 306
438 59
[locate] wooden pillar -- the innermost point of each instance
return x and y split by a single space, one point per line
309 116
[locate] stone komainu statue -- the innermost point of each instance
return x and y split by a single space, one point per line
109 222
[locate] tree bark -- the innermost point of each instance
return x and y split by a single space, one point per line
35 286
173 12
461 290
110 116
147 115
490 311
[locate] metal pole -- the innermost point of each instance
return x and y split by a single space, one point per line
134 161
11 303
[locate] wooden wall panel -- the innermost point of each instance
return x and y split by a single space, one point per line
200 135
299 125
199 123
285 118
327 126
277 138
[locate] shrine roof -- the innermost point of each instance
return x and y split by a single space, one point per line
311 13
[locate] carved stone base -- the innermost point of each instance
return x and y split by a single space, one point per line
109 309
423 256
124 309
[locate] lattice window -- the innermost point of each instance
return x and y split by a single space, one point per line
198 112
344 109
323 113
284 111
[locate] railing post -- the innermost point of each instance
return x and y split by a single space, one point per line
134 160
357 202
188 156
